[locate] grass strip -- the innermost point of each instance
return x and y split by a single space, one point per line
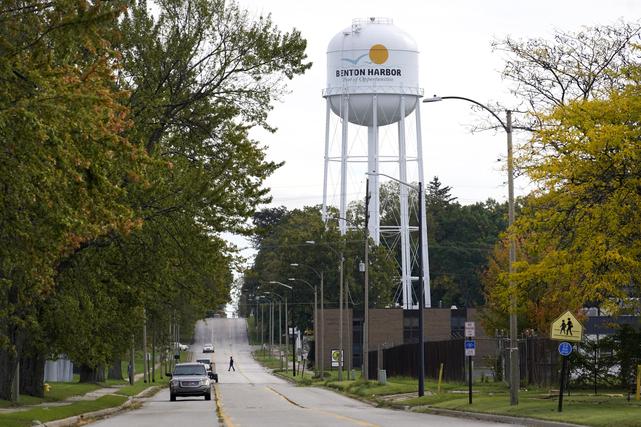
57 392
44 414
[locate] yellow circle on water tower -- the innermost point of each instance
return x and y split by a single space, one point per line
378 54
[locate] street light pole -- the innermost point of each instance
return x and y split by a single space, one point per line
365 369
340 307
293 279
514 346
421 303
291 288
320 344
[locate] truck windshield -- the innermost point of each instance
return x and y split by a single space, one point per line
190 370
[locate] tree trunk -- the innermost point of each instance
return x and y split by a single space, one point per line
32 375
7 369
90 374
115 370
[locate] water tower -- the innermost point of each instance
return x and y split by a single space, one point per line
373 91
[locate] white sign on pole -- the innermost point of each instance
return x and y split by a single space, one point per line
337 358
470 348
469 329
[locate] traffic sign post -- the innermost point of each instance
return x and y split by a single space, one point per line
565 328
565 348
470 350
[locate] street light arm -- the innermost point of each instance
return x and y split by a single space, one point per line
274 282
413 187
304 281
312 242
296 264
274 294
462 98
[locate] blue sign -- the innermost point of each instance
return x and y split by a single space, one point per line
470 344
565 348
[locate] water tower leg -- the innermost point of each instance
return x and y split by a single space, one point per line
421 177
326 161
374 180
343 201
406 260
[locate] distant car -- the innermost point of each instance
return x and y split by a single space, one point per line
181 347
190 379
208 348
205 362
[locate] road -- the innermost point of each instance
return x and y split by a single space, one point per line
251 396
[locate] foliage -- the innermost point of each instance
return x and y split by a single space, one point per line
576 235
284 243
125 137
580 229
64 157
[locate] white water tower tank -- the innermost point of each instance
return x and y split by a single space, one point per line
372 57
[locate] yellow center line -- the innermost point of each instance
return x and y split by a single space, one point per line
322 411
219 408
285 397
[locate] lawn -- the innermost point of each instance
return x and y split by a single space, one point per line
44 414
610 408
57 392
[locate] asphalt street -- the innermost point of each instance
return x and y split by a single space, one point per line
251 396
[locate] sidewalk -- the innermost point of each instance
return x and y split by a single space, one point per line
92 395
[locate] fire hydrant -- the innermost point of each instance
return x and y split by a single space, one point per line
47 388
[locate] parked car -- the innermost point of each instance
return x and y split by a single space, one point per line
209 366
190 379
180 346
208 348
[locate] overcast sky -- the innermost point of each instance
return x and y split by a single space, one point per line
456 58
454 38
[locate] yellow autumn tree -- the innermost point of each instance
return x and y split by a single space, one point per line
580 229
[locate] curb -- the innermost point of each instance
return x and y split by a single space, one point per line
72 421
507 419
103 413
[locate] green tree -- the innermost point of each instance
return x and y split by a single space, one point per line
63 159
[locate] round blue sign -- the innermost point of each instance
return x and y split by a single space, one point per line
565 348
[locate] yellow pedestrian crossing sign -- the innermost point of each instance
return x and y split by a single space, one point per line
566 328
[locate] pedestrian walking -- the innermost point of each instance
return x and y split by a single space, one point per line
231 364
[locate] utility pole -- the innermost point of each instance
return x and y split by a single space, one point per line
286 336
293 336
144 346
365 371
280 335
322 331
421 297
262 328
514 344
271 328
153 352
340 320
132 361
